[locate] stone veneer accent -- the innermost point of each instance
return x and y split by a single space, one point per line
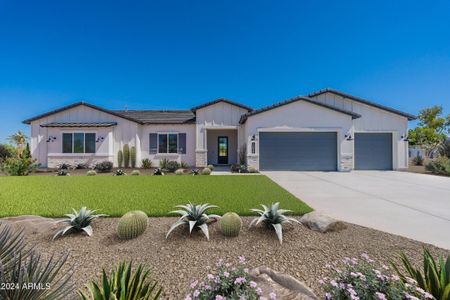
201 158
54 160
346 162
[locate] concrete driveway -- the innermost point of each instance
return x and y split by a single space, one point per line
416 206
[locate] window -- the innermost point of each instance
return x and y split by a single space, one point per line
162 142
253 148
78 142
167 143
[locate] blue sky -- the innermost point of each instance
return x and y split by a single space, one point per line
177 54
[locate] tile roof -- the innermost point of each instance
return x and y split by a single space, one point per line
159 116
79 124
221 100
364 101
295 99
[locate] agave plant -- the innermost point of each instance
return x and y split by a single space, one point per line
273 216
79 221
195 216
123 284
435 278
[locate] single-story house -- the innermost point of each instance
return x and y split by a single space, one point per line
327 130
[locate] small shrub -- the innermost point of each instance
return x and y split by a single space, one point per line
172 166
206 171
19 166
252 170
228 283
440 166
81 166
123 284
132 224
364 279
163 163
63 172
133 157
104 167
195 172
184 165
211 167
91 173
435 278
444 148
243 169
63 166
120 158
135 173
274 217
195 216
79 221
120 172
5 152
230 224
146 163
418 160
179 172
158 172
243 154
126 156
235 168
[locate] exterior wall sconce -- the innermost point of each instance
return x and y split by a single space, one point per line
405 138
99 139
51 139
348 137
253 138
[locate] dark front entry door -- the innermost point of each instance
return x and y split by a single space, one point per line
222 151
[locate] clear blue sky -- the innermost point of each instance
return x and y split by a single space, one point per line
176 54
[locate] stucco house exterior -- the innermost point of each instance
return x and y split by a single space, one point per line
326 130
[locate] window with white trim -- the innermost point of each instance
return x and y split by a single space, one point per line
78 142
167 142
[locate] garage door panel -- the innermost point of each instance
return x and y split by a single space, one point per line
303 151
373 151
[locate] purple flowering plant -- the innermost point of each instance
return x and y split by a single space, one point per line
363 278
227 283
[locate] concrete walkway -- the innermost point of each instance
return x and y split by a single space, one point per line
416 206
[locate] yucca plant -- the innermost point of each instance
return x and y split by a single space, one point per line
195 216
123 284
79 221
273 216
435 278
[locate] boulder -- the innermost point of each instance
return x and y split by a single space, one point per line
32 224
320 222
284 286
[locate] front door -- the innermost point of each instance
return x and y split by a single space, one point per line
222 143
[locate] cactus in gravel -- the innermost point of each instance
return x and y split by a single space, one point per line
133 157
132 224
120 158
126 155
230 224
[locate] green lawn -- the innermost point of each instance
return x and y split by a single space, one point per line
156 195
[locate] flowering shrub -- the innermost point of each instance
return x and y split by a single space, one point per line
363 279
228 283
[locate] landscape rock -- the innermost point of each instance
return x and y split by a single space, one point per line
284 286
32 224
320 222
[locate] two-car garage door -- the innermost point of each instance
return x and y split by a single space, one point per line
317 151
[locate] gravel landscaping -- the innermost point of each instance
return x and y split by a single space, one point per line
176 262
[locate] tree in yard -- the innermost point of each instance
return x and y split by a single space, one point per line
19 139
432 129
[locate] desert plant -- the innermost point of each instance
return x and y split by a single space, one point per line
132 224
163 163
126 156
234 168
158 172
22 266
195 172
252 170
439 165
79 221
435 278
206 171
120 158
211 167
5 152
63 166
230 224
172 166
418 160
133 157
91 173
81 166
120 172
243 154
20 140
195 216
104 166
179 172
19 166
184 165
135 173
274 217
243 169
62 172
366 279
123 284
146 163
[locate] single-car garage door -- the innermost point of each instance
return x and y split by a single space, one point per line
298 151
373 151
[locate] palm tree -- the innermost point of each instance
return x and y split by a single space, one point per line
19 139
